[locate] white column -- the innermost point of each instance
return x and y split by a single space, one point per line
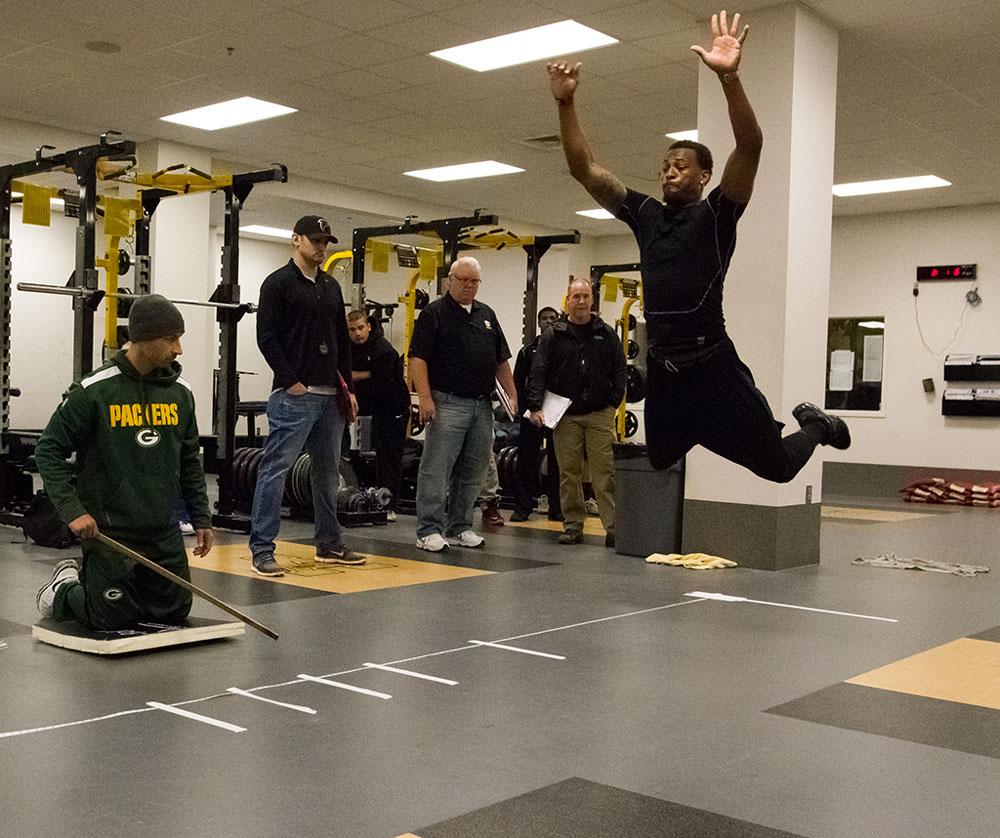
776 293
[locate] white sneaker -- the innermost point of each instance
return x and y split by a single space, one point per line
186 528
592 508
66 571
467 539
433 543
390 516
543 503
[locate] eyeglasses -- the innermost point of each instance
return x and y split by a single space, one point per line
464 281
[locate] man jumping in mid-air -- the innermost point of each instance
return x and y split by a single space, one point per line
699 392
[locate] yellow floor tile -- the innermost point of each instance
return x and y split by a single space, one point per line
591 526
966 671
884 516
302 571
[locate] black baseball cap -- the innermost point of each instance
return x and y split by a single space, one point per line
314 227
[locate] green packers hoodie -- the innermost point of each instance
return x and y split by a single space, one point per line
136 444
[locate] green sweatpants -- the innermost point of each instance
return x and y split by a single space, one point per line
114 592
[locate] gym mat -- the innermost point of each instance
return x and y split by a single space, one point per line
947 696
301 569
576 807
8 629
868 516
73 636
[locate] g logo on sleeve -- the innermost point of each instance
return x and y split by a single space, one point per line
147 437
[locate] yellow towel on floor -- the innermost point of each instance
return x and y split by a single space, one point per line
692 561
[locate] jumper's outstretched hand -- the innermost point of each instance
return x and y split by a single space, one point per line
563 79
727 44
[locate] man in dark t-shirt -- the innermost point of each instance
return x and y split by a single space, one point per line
699 392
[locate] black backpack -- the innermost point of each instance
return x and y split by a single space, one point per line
42 524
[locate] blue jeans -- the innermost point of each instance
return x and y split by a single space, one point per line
453 464
312 422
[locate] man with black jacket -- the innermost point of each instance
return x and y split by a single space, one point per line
302 333
581 358
382 394
530 438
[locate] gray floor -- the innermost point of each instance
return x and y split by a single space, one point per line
657 693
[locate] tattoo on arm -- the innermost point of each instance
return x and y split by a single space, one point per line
607 190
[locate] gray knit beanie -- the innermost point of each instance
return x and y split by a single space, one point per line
154 316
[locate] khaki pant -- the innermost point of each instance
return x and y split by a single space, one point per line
590 435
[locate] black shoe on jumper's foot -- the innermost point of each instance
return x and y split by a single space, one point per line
835 431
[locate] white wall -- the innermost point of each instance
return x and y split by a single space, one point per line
873 273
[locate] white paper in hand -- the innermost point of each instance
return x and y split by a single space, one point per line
553 408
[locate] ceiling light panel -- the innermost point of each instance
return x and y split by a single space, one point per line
900 184
465 171
227 114
563 38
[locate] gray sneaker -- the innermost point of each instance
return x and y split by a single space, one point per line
265 565
66 571
328 554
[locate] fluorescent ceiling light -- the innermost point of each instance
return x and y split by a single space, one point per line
684 135
899 184
602 214
562 38
270 232
227 114
465 171
871 324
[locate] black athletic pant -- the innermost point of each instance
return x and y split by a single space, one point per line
528 484
716 404
388 435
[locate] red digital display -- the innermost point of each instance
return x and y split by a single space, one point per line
941 272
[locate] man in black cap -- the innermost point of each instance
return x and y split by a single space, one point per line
302 333
132 426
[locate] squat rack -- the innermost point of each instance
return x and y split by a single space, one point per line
86 164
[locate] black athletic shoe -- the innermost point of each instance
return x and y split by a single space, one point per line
835 431
265 565
520 516
334 554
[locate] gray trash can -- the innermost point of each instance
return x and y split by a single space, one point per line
648 503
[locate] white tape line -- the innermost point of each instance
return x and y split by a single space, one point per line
187 714
518 649
411 673
726 598
299 707
343 686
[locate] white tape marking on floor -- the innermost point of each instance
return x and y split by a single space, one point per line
411 673
343 686
518 649
299 707
727 598
187 714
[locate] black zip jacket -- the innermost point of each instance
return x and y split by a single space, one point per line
590 371
302 329
385 393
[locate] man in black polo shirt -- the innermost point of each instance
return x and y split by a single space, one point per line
302 333
457 354
699 392
382 394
